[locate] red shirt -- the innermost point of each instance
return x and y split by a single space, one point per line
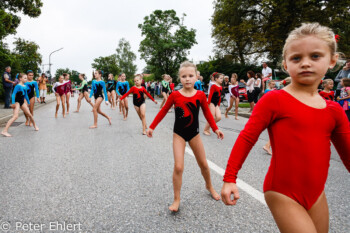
327 95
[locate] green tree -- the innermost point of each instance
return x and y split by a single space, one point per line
166 43
243 28
125 58
9 20
27 55
107 64
74 75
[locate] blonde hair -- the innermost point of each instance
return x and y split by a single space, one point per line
326 81
312 29
186 64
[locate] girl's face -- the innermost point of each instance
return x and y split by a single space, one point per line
308 59
81 77
67 77
60 79
97 74
272 85
110 77
24 79
188 76
233 80
137 81
30 76
248 75
329 85
123 77
220 79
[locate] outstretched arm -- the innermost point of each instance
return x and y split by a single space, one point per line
161 114
128 93
148 94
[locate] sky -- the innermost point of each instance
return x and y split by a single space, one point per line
88 29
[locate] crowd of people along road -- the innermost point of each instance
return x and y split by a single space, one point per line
297 203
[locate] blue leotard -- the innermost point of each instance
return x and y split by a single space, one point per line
96 89
19 93
122 87
198 85
30 89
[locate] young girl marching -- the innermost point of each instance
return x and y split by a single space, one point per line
68 84
214 100
98 86
186 129
122 88
165 89
59 89
18 96
84 92
32 86
139 100
295 117
111 87
233 89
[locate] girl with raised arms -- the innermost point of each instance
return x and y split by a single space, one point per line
97 86
138 92
301 125
187 102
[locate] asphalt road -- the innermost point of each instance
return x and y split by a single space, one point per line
113 179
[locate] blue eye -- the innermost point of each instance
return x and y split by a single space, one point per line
315 56
296 58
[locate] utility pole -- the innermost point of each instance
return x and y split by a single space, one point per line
50 61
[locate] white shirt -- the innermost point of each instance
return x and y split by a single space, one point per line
266 71
257 83
250 84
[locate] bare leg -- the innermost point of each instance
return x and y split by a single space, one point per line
113 99
88 98
94 110
126 106
109 97
67 101
229 108
31 108
122 105
236 108
179 145
165 97
9 123
267 147
197 147
58 99
207 126
103 114
81 96
63 100
319 214
290 216
27 111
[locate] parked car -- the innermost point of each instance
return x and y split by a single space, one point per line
178 87
243 96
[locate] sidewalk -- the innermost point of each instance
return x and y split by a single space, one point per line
6 114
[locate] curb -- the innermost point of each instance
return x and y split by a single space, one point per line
8 117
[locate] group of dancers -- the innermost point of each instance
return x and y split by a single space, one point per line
294 184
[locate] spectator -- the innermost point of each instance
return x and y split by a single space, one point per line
152 87
257 87
225 85
42 87
266 75
7 84
344 73
250 88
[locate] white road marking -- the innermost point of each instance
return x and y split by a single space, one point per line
240 183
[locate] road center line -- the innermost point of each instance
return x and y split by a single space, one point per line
240 183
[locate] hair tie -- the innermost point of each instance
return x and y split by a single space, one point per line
337 38
29 71
17 75
215 73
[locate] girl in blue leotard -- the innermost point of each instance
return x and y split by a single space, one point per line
18 96
122 88
97 87
32 86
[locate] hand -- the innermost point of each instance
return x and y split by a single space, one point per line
106 102
150 133
338 98
227 190
155 102
220 134
37 99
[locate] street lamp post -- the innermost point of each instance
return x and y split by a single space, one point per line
50 61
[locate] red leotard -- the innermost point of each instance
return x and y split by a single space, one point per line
138 98
68 86
60 88
300 139
327 95
215 95
186 114
172 86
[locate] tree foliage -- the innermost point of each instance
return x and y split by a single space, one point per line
125 58
166 43
9 20
107 64
27 55
242 28
74 75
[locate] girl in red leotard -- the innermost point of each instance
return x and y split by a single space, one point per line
214 100
300 139
59 89
327 92
233 89
139 100
186 129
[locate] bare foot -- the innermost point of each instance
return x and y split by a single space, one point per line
206 133
56 115
93 127
124 119
27 123
67 113
236 118
226 115
76 111
109 120
36 129
30 124
144 133
267 150
175 206
113 108
214 194
64 116
6 134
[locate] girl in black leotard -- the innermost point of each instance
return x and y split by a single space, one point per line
139 93
187 102
111 87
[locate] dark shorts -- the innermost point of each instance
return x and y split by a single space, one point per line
251 96
256 92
